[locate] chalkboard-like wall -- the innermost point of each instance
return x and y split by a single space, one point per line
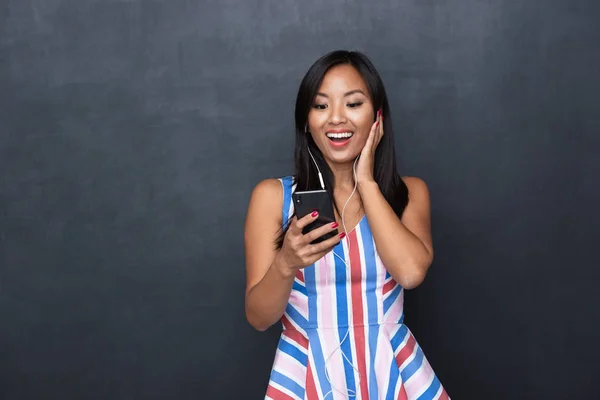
131 135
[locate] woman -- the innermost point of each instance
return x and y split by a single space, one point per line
341 300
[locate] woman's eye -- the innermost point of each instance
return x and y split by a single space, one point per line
352 105
320 106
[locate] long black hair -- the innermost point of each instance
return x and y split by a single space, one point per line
391 185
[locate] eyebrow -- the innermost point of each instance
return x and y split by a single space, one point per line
345 94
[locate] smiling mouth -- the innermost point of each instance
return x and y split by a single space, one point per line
339 137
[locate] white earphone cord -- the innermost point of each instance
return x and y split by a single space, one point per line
349 392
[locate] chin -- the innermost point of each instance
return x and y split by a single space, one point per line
341 154
345 158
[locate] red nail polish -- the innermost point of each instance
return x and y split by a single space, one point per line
334 225
314 214
342 235
377 124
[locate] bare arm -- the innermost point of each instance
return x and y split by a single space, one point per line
405 245
268 284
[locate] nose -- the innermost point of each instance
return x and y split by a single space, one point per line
338 115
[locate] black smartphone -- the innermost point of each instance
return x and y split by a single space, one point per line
307 201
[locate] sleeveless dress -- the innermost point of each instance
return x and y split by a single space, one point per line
343 333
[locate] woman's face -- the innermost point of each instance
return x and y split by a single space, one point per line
341 116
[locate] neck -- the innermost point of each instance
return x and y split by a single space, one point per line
343 175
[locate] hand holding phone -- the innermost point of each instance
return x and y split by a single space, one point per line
308 201
302 246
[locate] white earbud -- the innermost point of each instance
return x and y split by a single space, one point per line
318 170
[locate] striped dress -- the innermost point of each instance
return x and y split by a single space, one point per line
343 333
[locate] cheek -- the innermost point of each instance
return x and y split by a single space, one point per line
315 120
364 122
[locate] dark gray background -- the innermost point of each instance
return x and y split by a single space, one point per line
131 135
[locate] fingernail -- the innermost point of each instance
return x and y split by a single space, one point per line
334 225
377 124
342 235
315 213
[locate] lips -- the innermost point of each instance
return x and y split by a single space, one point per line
339 137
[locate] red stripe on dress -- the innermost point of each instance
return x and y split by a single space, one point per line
406 351
311 388
297 337
357 312
402 393
444 395
300 276
277 394
389 286
286 323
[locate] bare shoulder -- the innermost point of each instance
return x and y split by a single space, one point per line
417 189
267 195
268 189
266 199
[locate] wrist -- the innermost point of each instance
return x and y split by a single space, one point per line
369 183
283 269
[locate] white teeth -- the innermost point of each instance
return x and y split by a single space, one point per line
339 135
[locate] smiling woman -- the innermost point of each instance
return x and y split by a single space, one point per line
341 300
342 115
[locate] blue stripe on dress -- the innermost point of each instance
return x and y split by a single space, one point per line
342 315
294 352
414 365
393 380
431 390
288 383
391 299
398 338
296 316
300 288
287 198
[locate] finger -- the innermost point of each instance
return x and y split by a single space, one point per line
380 128
371 137
379 123
320 231
326 246
293 225
304 221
